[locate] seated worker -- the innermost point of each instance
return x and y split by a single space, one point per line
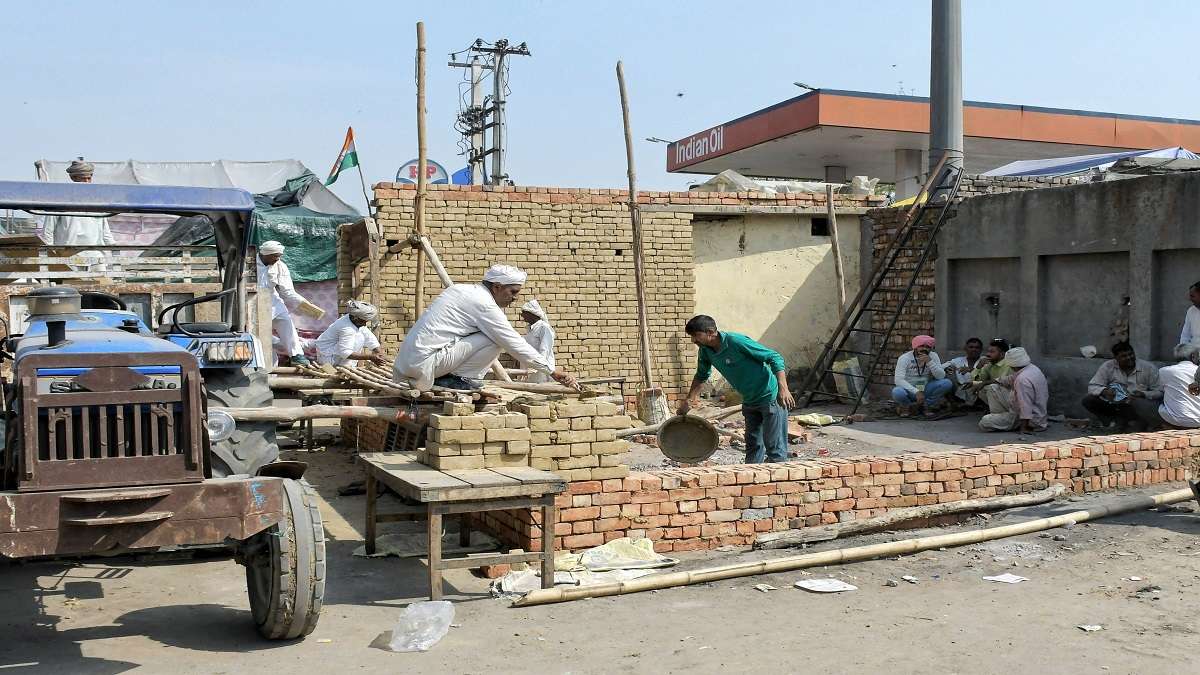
348 340
988 370
1124 391
754 371
464 330
961 371
920 379
1180 409
1024 406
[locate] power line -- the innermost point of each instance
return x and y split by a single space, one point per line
487 60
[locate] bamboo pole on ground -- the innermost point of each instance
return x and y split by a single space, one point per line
837 250
635 218
844 555
419 202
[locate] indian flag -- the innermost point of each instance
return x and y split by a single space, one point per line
347 158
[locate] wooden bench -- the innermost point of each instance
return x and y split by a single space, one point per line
442 493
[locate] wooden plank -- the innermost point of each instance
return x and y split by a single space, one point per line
527 474
482 478
412 479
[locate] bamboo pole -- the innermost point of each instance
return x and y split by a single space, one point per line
635 218
285 382
532 387
313 412
653 428
419 202
839 273
808 535
844 555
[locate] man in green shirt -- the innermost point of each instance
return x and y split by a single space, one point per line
754 371
989 372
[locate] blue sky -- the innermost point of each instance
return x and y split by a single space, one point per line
265 80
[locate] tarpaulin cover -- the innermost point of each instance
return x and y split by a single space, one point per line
1065 166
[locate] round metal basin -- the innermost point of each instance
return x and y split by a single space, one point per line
687 439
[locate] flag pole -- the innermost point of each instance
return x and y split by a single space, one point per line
363 182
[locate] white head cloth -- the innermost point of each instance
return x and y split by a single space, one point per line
535 309
270 248
362 310
1016 357
505 275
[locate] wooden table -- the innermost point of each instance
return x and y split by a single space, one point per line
441 493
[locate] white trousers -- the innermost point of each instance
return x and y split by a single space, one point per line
1001 415
289 339
470 357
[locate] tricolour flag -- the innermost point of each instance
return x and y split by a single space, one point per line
347 158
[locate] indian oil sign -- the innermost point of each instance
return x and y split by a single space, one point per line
699 146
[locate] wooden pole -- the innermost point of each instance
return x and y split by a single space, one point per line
635 218
844 555
837 250
315 412
419 202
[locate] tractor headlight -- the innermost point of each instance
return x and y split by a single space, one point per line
220 425
228 352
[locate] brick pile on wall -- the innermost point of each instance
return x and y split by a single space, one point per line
707 507
577 439
918 315
576 246
460 438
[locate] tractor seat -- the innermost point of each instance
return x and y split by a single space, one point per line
206 327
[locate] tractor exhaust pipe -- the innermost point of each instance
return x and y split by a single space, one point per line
56 333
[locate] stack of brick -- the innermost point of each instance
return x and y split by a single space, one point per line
577 439
461 439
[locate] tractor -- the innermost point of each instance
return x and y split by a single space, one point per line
114 441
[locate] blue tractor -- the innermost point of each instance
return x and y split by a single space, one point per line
114 441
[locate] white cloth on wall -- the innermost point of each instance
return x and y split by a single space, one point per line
342 339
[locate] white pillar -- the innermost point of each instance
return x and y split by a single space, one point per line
910 172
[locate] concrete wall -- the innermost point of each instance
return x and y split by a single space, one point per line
1073 266
767 276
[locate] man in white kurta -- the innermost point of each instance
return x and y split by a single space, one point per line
540 336
274 274
463 331
349 339
81 230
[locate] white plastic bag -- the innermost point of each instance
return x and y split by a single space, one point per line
421 626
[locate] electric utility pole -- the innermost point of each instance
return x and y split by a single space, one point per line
482 115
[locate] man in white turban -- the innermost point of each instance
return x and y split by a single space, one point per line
82 229
464 330
274 274
1024 406
540 336
349 339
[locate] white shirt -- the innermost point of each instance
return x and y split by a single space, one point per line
1191 327
909 374
462 310
1179 407
1144 378
342 339
964 370
540 336
278 278
78 231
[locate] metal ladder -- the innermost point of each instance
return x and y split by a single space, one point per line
926 214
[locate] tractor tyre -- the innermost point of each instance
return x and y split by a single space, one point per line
252 444
285 567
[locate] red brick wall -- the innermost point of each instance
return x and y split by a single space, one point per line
702 508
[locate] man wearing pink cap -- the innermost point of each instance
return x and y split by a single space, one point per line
921 380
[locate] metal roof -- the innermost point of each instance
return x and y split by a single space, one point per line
108 198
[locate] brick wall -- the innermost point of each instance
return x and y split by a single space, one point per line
703 508
575 244
918 315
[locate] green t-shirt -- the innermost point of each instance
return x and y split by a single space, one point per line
748 366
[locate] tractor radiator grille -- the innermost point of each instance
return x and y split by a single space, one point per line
107 431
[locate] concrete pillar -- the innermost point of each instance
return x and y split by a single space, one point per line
945 84
910 172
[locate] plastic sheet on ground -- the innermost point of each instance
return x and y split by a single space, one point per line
519 582
812 419
618 554
411 545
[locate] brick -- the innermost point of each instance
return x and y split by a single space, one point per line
517 448
723 516
616 422
493 448
584 436
457 463
507 434
457 436
605 408
492 461
535 411
604 473
610 447
445 422
491 421
581 423
549 425
579 541
573 514
458 409
516 420
605 435
471 422
575 409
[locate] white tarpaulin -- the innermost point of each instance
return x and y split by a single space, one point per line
1066 166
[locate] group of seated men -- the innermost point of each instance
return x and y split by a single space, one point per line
1126 393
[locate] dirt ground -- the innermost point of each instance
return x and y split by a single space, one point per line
153 615
877 436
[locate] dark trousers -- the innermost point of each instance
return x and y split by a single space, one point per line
1139 412
766 433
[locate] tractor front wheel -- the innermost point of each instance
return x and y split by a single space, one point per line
285 568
